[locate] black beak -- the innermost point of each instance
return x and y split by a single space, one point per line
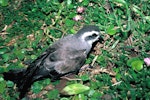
101 39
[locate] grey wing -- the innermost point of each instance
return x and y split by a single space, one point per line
71 61
39 61
50 55
63 58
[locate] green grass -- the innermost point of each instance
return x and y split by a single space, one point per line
28 27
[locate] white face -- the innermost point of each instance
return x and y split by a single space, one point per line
90 37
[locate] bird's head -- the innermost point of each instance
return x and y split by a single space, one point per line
89 34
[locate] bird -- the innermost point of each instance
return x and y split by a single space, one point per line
65 56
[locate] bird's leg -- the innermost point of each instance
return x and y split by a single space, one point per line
70 77
85 67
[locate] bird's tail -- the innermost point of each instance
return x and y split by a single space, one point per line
22 77
14 75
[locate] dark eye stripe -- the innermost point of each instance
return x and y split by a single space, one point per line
91 37
94 35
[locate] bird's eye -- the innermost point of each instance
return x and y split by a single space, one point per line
94 35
